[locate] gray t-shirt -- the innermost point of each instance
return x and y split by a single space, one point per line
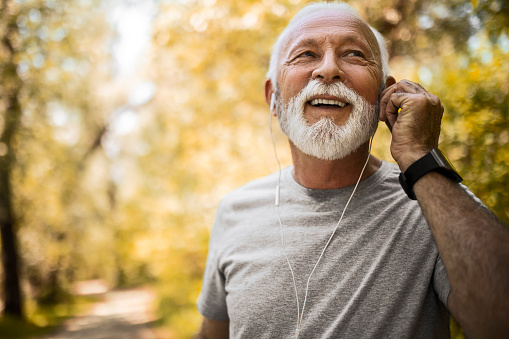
381 276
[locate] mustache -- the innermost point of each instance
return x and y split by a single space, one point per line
337 89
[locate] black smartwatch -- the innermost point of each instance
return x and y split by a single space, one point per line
436 161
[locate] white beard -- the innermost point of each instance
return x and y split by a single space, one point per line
324 139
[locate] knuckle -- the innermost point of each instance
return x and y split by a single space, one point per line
422 100
436 102
434 99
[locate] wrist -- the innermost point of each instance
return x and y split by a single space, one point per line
434 161
408 158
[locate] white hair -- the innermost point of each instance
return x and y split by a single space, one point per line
306 12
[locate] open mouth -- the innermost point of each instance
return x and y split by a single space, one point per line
327 103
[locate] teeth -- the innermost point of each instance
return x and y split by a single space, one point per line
327 102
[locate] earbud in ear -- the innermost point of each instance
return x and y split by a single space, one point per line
272 102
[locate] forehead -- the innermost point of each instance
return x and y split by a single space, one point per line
334 24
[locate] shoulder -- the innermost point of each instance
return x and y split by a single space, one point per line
391 171
246 206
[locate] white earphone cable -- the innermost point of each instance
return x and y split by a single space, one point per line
300 314
280 224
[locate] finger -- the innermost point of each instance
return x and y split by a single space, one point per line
393 107
420 87
412 87
403 86
387 96
384 99
396 101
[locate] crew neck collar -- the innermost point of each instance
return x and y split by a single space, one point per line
288 179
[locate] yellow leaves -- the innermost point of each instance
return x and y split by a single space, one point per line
476 125
199 20
473 74
216 80
207 133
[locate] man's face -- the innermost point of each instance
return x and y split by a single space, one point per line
333 47
329 76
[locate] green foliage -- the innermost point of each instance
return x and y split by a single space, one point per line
44 319
474 90
57 67
144 214
11 328
226 80
210 130
476 127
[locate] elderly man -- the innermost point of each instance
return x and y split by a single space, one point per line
333 246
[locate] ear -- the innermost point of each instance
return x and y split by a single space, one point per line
390 81
269 96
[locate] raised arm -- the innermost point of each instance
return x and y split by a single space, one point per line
473 243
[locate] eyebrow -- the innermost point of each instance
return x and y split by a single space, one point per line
346 39
304 42
307 42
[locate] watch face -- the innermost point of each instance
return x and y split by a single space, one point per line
441 159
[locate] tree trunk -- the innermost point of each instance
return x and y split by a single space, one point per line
10 86
12 291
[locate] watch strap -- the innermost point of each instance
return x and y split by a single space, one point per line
436 161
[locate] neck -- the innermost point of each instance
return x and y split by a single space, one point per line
315 173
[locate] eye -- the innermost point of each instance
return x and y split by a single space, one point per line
307 54
355 54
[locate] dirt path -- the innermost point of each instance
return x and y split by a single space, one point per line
124 314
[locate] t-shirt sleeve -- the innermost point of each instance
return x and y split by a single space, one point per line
212 299
441 283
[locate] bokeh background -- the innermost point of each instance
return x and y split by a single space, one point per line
123 123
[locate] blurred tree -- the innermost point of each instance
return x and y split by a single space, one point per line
64 65
207 133
54 68
134 206
456 49
9 103
434 27
476 127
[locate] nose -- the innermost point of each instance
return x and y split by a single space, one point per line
329 70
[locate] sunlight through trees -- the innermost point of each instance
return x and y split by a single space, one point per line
113 171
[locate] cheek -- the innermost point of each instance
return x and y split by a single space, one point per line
291 81
365 82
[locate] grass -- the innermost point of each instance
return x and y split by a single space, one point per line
13 328
44 319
